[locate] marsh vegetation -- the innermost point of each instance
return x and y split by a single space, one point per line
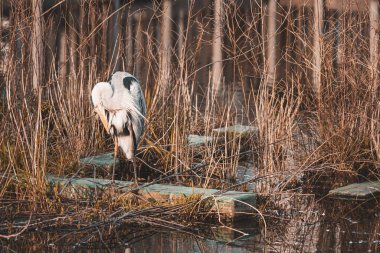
304 74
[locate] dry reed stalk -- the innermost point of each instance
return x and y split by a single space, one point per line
302 137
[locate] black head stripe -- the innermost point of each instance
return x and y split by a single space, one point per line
127 81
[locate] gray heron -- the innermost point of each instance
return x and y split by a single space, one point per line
121 107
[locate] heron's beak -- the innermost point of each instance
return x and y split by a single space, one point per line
102 116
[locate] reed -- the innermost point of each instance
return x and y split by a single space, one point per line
304 137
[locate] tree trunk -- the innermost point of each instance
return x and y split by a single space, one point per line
374 40
166 30
73 40
104 41
94 40
181 33
317 62
115 36
217 58
271 49
129 43
37 46
62 60
138 44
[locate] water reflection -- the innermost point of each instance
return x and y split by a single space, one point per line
293 223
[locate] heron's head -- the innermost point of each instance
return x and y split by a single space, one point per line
118 77
99 95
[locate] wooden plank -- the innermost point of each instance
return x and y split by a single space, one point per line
359 191
104 160
231 204
198 140
236 129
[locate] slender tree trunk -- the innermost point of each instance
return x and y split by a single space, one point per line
271 49
93 45
73 39
115 36
138 44
37 46
166 30
2 26
317 60
73 52
217 57
62 60
374 41
339 37
129 43
181 32
104 47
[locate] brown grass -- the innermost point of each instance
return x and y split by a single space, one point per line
304 138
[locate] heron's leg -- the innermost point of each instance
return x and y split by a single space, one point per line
114 160
135 171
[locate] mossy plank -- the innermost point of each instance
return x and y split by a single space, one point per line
104 160
198 140
236 129
230 204
364 190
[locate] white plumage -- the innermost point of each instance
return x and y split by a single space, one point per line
121 107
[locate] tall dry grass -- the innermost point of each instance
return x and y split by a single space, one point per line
303 137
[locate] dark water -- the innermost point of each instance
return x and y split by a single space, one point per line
293 223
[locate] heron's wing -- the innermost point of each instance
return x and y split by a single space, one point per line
139 102
138 96
124 101
129 97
